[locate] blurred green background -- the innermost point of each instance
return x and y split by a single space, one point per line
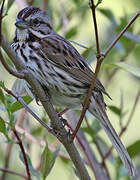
112 16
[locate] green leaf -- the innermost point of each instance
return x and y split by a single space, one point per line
34 172
48 160
78 44
9 4
2 85
2 126
132 37
89 131
86 53
135 70
94 128
134 149
72 32
109 14
99 2
2 98
17 105
115 109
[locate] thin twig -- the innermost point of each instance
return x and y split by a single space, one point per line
41 143
13 172
121 34
131 114
124 128
88 151
99 61
1 12
23 153
100 58
102 156
9 69
44 98
20 99
99 150
96 29
9 146
44 5
123 59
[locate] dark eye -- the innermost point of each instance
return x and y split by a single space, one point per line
36 21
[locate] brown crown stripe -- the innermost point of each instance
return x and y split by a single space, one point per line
26 12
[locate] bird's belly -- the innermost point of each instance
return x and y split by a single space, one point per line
62 100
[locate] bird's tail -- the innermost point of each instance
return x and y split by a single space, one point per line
98 109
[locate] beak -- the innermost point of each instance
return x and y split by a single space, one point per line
21 24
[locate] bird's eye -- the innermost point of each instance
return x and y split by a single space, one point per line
36 21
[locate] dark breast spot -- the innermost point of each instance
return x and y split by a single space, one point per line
71 54
23 46
81 65
23 56
65 52
68 63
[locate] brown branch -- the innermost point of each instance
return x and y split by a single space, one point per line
20 99
124 128
13 172
44 5
24 154
121 34
99 150
41 143
99 61
20 66
96 29
9 69
9 146
1 12
102 156
100 58
86 148
44 98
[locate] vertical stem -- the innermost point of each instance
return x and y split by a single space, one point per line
24 154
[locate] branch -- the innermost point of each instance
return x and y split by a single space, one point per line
20 99
100 58
44 5
24 154
99 61
13 172
41 143
9 69
9 146
121 34
96 167
95 27
44 98
1 12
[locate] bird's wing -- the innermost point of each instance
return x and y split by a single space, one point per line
62 54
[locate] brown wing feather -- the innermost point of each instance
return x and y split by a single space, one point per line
62 54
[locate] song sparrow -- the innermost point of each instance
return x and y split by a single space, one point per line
61 70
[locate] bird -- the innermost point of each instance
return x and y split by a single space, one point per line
62 71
